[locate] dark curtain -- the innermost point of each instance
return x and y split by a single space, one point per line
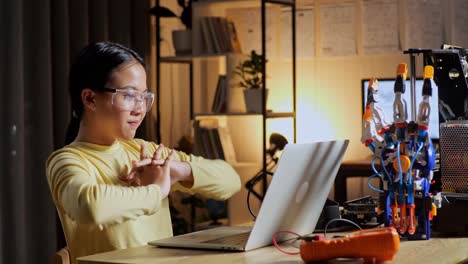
38 40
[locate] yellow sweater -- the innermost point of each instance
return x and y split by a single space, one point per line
100 213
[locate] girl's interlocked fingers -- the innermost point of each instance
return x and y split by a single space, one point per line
158 152
133 178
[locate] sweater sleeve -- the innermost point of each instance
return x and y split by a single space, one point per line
86 201
212 178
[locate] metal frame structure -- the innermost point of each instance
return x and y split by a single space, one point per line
265 115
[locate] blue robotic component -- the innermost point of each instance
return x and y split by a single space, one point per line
408 168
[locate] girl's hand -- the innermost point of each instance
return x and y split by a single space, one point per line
157 174
132 178
151 171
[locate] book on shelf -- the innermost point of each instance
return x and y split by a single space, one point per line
208 23
233 36
198 148
213 141
207 37
219 35
221 94
216 141
208 147
215 148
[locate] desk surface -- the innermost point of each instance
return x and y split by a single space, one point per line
435 250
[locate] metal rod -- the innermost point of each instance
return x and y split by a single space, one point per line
413 86
158 75
293 14
264 180
191 90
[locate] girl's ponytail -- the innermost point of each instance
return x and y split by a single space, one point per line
72 130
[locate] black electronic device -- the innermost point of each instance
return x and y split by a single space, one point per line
331 210
450 73
363 211
451 218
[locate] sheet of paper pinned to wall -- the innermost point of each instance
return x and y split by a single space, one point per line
459 23
305 38
338 29
380 27
424 24
249 27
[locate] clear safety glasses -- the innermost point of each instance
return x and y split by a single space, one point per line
129 100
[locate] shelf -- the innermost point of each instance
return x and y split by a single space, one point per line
250 2
176 59
281 2
268 114
280 115
230 2
189 58
226 114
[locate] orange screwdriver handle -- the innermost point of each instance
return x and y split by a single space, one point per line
411 227
402 224
380 244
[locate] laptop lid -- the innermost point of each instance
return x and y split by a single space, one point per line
298 190
294 200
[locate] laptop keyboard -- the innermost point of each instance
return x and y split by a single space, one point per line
236 239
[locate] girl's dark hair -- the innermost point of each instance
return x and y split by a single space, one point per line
92 69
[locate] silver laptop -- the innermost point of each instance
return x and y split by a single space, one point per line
294 200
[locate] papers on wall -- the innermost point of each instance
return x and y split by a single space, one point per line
385 27
459 17
338 29
249 28
380 26
305 39
424 24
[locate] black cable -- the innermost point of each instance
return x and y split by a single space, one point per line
251 184
277 143
337 220
248 205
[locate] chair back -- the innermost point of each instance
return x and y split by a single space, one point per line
61 257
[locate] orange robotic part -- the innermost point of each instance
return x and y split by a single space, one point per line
402 69
379 244
405 163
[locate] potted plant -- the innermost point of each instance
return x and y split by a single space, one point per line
250 72
181 39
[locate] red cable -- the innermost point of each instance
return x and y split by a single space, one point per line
278 247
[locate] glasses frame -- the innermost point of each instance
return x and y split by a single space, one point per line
115 91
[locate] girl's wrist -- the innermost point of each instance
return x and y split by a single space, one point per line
182 172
